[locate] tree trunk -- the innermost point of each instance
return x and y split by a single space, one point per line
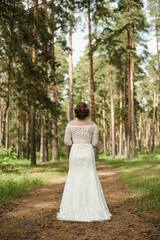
32 134
104 133
70 102
53 96
133 145
7 130
55 155
158 60
125 105
6 114
148 134
131 127
157 43
91 77
18 126
43 149
46 148
136 131
143 138
110 138
151 145
112 117
157 127
23 140
140 131
120 127
129 97
27 139
33 109
42 144
70 75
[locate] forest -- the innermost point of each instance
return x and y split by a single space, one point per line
117 76
42 78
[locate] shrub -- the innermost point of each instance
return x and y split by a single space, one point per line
7 157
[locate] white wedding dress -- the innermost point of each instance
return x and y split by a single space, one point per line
83 198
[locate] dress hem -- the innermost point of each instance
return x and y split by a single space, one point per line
78 220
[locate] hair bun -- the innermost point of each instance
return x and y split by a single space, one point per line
81 110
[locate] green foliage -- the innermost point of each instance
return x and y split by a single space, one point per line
13 186
110 23
7 158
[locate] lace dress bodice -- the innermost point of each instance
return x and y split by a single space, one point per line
75 134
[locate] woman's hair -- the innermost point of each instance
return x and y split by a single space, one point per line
81 110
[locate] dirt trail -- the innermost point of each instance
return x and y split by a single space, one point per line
34 216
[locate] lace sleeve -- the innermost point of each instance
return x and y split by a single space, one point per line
68 136
95 137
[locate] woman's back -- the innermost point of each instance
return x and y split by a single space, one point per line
84 122
83 198
76 134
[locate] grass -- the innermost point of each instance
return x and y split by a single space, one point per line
141 175
24 177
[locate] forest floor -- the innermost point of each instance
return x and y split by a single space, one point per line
34 215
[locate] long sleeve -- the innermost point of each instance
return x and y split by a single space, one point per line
68 136
95 137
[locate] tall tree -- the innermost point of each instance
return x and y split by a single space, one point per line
44 146
70 74
53 91
112 116
33 107
91 76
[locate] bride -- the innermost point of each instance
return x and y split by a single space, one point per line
83 199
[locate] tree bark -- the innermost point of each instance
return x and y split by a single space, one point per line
157 42
158 60
70 102
148 134
7 131
151 145
18 126
157 126
129 102
140 131
133 145
32 134
120 127
53 96
104 133
112 117
43 146
70 75
27 138
32 108
131 128
125 105
91 76
42 142
23 140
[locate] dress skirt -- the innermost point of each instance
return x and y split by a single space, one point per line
83 198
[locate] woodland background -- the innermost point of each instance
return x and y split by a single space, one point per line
39 87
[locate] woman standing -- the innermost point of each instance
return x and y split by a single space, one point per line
83 199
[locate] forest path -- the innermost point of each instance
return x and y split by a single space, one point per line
34 215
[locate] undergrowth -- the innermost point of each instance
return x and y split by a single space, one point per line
141 175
